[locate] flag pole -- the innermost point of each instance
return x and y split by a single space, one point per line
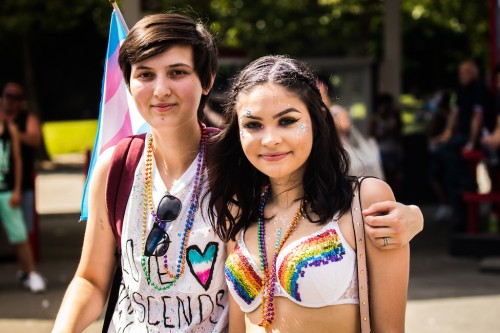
119 14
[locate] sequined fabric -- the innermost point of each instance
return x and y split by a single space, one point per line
317 250
314 271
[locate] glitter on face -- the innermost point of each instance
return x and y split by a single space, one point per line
248 112
303 129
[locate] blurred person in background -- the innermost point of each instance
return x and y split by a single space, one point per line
385 126
461 136
30 136
438 173
364 153
340 113
466 118
491 138
10 193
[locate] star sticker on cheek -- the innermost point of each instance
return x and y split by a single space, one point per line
243 135
303 129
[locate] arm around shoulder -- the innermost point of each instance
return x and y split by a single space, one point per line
388 270
399 222
87 293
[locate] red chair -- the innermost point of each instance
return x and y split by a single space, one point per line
473 199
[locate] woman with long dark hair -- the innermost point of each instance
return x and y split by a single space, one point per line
283 193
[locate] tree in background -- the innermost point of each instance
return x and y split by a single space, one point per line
25 22
437 36
67 73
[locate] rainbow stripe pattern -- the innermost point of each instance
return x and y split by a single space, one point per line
118 116
318 250
244 279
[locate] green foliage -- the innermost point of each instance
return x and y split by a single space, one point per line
300 28
465 18
27 17
436 35
296 27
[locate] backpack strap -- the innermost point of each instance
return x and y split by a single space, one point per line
359 232
120 178
126 156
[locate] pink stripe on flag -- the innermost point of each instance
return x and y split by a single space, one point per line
124 131
113 76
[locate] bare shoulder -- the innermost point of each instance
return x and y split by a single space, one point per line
375 190
104 160
100 172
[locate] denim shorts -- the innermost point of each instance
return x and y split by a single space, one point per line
12 220
28 208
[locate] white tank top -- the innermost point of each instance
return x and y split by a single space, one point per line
197 302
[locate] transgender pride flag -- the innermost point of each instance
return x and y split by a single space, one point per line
118 116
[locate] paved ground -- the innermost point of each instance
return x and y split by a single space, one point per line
447 294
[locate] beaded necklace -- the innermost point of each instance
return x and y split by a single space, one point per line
267 306
148 205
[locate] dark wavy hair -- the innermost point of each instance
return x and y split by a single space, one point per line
156 33
236 185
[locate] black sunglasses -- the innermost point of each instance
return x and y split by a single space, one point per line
158 240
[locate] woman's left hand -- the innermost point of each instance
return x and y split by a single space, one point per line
391 224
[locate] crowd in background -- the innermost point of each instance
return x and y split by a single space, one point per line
457 129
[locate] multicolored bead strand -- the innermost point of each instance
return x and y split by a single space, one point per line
148 205
269 277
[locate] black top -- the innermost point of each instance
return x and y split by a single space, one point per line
469 96
27 154
6 161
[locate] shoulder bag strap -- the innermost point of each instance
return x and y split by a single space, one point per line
359 232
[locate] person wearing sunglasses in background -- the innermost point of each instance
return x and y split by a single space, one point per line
11 185
172 260
293 264
30 135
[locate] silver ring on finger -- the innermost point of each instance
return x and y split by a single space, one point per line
386 241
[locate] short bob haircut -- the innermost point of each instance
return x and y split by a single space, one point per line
156 33
235 183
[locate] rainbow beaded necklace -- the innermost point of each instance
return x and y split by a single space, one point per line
148 205
269 275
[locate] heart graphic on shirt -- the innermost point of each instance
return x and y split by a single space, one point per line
201 264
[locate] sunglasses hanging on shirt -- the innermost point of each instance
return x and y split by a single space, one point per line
158 240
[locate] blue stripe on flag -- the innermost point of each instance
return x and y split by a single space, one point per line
117 32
